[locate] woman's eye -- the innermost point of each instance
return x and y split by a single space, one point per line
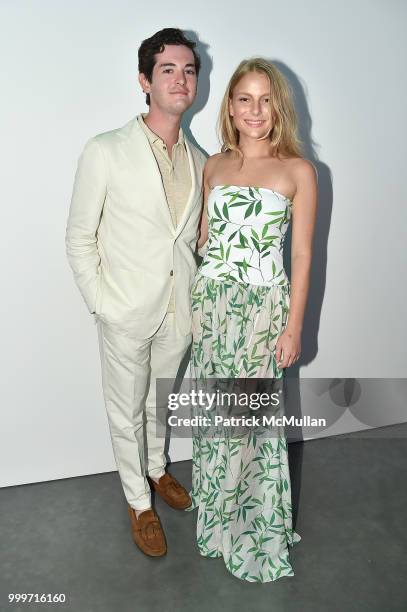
243 99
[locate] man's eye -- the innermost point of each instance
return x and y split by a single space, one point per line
167 69
191 71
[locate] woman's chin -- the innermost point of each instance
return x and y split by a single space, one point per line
254 133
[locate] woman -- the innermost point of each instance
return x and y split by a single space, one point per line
245 323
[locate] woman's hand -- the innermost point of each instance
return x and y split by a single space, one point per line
288 348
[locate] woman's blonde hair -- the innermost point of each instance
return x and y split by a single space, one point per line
283 136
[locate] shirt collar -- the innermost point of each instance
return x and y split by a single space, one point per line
152 136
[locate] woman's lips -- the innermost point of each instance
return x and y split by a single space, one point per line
256 123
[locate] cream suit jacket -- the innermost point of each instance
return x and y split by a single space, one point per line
120 240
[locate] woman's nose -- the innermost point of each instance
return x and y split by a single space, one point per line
255 108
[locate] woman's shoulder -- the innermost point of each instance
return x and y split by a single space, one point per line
215 159
303 168
213 163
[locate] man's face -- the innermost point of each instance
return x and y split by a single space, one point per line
173 85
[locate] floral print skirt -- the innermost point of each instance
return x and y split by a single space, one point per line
241 483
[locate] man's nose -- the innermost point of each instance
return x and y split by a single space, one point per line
181 78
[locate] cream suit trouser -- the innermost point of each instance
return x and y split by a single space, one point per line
130 368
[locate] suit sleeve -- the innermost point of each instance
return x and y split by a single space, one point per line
203 249
88 197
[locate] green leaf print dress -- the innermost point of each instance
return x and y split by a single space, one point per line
240 302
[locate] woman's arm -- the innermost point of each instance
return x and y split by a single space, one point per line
303 225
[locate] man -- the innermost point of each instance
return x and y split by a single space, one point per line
131 236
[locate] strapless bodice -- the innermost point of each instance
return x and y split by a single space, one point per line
246 231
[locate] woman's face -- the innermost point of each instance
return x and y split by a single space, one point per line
250 105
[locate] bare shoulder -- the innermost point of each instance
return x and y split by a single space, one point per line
303 171
215 159
305 176
213 162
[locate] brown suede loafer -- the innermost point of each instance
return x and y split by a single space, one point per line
169 489
147 532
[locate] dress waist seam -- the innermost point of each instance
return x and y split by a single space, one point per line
241 282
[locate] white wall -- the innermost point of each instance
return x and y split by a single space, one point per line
69 71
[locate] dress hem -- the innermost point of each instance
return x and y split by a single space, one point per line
292 540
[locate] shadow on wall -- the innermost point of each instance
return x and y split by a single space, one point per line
325 201
203 87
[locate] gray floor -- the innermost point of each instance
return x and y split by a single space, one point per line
73 536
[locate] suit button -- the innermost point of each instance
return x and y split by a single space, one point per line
172 273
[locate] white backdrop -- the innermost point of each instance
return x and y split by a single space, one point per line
69 71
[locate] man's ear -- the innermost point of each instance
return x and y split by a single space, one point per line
145 84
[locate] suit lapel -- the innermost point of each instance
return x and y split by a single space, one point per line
138 152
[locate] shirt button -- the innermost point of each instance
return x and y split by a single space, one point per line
172 273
